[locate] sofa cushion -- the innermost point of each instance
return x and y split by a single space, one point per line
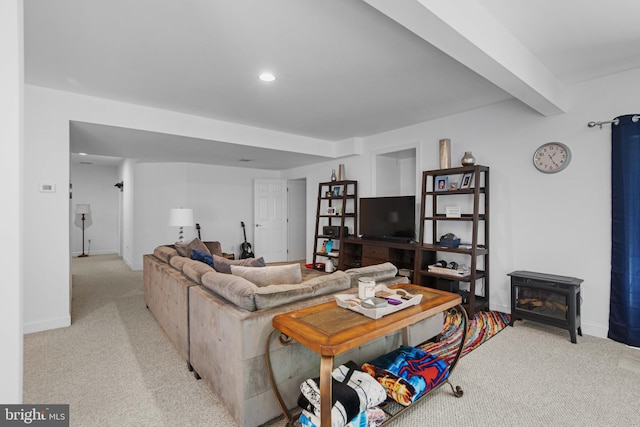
376 272
178 262
273 275
277 295
215 248
184 249
329 283
244 294
202 257
223 265
165 253
234 289
195 269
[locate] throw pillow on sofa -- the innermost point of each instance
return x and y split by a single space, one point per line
272 275
184 249
202 257
223 265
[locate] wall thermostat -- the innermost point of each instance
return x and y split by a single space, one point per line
47 188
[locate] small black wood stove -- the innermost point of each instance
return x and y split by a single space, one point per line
546 298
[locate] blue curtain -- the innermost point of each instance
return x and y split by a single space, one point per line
624 314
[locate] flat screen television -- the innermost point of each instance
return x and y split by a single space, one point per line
388 218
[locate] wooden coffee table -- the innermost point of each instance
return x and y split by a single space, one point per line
330 330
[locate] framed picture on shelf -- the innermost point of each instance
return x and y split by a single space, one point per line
335 192
331 210
442 183
467 180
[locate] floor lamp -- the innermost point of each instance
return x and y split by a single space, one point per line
181 217
83 209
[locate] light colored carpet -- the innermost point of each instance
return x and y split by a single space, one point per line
114 367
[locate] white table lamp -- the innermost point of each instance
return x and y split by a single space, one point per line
181 217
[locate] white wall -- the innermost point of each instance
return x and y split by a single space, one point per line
46 146
408 177
127 228
356 168
94 184
395 174
387 183
11 235
297 213
558 224
220 197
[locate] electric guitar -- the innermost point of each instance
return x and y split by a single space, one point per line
245 247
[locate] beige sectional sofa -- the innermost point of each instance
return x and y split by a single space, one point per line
219 323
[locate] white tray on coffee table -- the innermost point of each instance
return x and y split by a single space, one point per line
353 303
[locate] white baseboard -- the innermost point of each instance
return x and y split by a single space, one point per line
97 252
594 330
500 307
45 325
130 264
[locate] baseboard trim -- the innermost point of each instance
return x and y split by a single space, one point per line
131 265
594 330
45 325
100 252
500 307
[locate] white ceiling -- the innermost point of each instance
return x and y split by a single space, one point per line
345 68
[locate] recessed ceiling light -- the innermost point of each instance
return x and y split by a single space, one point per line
267 77
82 154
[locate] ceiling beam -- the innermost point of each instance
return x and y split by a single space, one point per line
468 33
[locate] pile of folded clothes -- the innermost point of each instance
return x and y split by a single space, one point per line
402 375
355 393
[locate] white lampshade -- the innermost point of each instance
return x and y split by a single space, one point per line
83 208
181 217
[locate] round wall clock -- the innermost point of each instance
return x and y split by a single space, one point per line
552 157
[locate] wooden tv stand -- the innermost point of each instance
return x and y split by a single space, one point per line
356 252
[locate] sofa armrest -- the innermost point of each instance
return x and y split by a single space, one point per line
165 253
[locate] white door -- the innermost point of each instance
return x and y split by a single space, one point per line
270 219
297 230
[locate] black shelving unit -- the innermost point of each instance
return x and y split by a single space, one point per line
475 245
337 208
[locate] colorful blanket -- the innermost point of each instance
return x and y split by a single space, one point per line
483 326
407 373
